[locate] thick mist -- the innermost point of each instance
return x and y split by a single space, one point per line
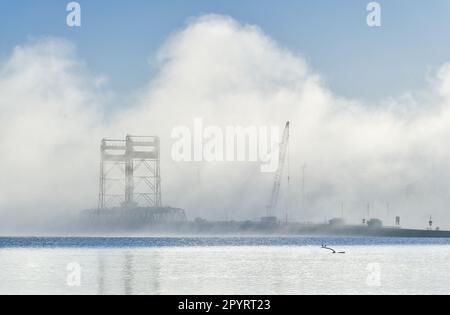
54 112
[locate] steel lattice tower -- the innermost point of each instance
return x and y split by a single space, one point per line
130 174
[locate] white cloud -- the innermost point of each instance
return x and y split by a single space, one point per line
48 124
228 74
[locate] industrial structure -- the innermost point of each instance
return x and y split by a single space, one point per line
274 197
130 173
130 185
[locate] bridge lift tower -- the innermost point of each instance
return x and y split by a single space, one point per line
130 174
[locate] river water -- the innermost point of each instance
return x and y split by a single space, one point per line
224 265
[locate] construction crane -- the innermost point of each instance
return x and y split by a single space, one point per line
271 208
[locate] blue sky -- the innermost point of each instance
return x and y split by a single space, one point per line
118 37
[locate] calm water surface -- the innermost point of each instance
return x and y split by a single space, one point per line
250 265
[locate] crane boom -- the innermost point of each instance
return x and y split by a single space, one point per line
279 174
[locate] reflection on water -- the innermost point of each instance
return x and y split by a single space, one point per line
392 269
101 275
119 273
128 274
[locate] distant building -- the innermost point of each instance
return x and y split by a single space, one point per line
375 224
337 222
269 220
